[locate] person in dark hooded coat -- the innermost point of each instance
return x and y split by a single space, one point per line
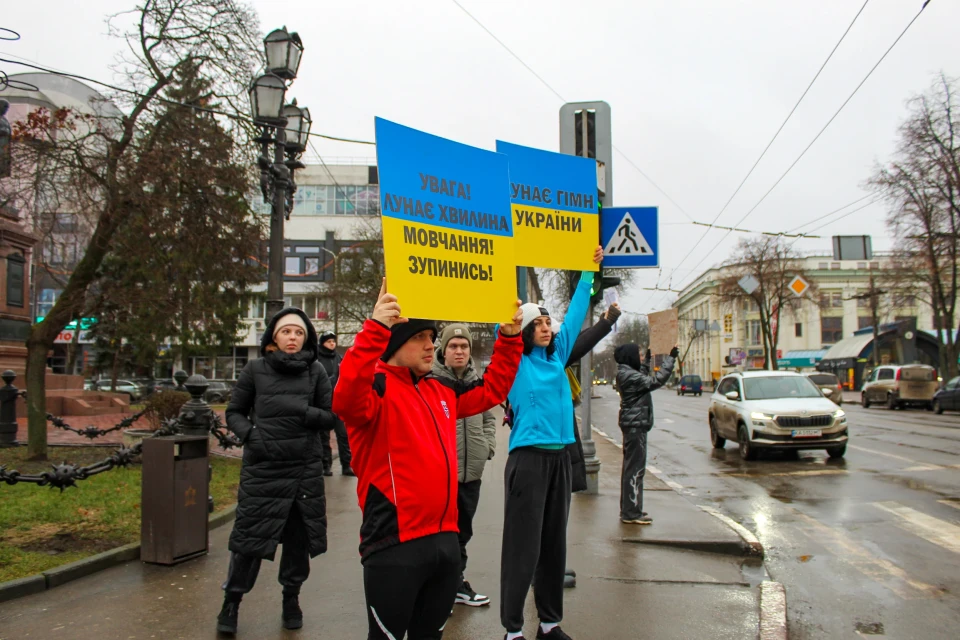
330 360
279 407
635 385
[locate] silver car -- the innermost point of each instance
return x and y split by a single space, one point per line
775 410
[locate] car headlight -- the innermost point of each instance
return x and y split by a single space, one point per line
757 415
839 413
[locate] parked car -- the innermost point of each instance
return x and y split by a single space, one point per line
166 384
897 386
948 398
218 393
775 410
830 385
133 390
690 384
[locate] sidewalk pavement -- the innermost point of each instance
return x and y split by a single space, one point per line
624 590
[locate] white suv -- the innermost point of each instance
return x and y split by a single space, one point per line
777 410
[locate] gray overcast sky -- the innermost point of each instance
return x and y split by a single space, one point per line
697 89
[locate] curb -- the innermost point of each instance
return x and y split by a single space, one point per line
721 547
751 542
773 611
86 566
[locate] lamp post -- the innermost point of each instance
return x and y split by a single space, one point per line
287 129
336 297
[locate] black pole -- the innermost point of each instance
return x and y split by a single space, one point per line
280 182
8 410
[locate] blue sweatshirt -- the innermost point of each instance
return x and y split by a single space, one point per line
540 397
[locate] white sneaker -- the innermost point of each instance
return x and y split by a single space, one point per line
466 595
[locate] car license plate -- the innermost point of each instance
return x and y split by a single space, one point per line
807 433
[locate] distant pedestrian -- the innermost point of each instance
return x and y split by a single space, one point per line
635 384
330 360
280 404
476 443
538 474
402 424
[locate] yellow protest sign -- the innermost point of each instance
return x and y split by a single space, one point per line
554 203
447 229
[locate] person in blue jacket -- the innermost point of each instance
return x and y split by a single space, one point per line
538 476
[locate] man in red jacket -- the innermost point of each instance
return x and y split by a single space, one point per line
401 423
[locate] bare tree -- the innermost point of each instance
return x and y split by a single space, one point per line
773 264
921 184
220 37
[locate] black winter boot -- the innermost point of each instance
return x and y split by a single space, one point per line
292 615
227 620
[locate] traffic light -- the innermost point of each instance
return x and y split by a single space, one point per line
585 135
601 282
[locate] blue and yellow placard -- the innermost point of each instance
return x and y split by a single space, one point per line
447 228
554 203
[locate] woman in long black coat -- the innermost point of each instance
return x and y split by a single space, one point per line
279 407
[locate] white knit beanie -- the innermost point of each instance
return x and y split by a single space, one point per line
289 319
531 312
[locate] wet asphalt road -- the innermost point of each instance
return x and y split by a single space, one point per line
865 546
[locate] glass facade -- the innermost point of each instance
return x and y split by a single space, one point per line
325 200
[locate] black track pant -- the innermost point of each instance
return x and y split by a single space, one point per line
294 561
410 588
468 497
343 446
537 504
632 473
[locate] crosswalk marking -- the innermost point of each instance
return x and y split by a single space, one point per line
883 571
881 453
939 532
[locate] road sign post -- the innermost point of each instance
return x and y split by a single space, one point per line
585 130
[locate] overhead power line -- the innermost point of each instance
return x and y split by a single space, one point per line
233 116
562 99
817 137
772 140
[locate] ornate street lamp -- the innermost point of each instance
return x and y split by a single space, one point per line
298 127
266 99
283 51
287 129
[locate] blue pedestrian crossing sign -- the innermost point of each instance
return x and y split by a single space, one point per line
630 236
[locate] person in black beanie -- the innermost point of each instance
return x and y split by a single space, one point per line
635 385
330 360
281 500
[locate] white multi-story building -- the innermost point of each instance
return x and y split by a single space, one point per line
331 202
805 335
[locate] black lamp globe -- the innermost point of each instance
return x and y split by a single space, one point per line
266 98
298 126
283 51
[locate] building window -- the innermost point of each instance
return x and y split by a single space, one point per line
874 265
834 265
831 330
798 329
311 266
291 266
831 299
864 301
822 265
753 332
45 301
864 322
861 265
15 280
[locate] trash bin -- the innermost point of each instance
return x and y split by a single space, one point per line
173 505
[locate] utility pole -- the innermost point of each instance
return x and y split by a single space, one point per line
873 296
585 131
